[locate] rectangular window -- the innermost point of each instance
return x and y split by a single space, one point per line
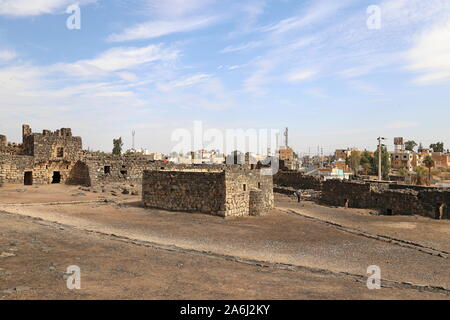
107 169
245 187
60 152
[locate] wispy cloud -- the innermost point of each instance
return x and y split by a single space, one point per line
155 29
241 47
430 55
118 59
24 8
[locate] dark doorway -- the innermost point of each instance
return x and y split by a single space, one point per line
346 203
28 178
56 177
107 169
389 212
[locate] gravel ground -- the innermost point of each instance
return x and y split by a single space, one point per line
319 260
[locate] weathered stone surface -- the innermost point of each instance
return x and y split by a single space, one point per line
215 190
391 199
297 180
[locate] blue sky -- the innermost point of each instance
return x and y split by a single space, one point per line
158 65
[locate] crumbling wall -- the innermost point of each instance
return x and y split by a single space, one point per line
79 175
297 180
58 145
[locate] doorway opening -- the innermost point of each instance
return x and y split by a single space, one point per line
28 178
56 177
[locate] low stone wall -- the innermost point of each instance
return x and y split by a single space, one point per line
297 180
389 199
346 194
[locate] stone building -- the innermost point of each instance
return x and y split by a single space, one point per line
227 191
41 158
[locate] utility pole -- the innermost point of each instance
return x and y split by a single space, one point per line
286 134
380 174
321 158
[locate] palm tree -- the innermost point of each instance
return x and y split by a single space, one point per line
420 175
429 163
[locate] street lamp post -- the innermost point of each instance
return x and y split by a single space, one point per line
380 174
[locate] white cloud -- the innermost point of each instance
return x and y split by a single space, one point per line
155 29
7 55
302 75
23 8
430 55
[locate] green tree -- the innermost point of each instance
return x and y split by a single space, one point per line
366 162
429 163
385 163
437 147
118 144
410 145
354 161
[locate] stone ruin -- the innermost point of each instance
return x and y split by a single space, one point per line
58 157
232 191
388 198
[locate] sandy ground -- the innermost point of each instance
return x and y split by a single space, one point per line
128 252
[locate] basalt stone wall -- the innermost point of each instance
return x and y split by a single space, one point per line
56 146
346 194
12 168
116 169
209 189
239 184
257 205
130 168
399 202
424 201
79 175
437 203
297 180
185 191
